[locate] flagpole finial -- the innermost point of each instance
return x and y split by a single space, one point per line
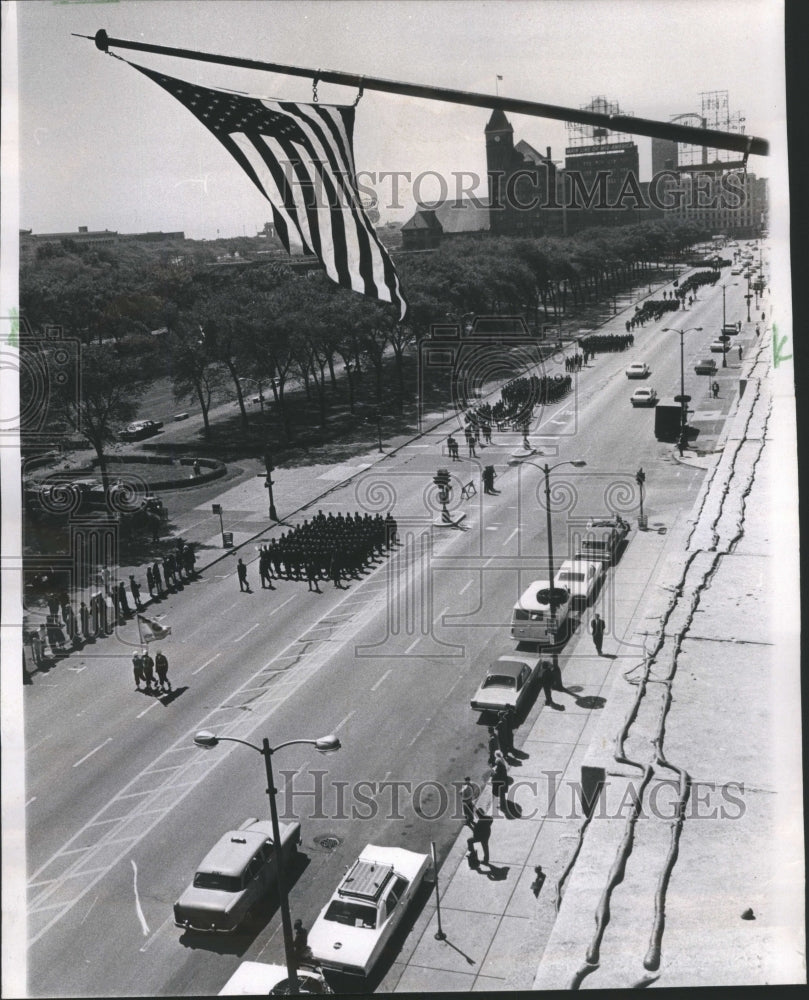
102 40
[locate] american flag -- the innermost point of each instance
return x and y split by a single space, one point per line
300 157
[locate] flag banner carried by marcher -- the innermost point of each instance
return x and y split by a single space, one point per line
150 630
300 157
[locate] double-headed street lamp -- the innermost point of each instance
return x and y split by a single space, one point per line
547 470
682 398
326 744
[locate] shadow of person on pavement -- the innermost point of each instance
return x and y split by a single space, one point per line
494 873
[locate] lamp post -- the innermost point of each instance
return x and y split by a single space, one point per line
326 744
748 297
269 482
724 341
547 470
682 398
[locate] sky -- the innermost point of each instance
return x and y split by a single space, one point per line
102 146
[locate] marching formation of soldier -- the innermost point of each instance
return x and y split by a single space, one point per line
328 547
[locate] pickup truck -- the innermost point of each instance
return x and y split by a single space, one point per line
602 539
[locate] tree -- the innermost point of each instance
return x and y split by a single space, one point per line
105 399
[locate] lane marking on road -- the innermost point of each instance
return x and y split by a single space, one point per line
513 533
77 670
168 920
466 587
87 914
244 636
33 799
381 680
419 733
90 754
205 664
38 743
494 528
440 615
147 709
488 561
340 725
413 645
231 607
138 907
276 610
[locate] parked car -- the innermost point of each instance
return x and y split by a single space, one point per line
140 429
507 684
234 876
266 979
602 539
718 346
643 397
354 927
638 370
581 577
531 619
705 366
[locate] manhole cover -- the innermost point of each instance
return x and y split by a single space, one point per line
328 841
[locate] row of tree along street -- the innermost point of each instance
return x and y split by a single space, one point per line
259 326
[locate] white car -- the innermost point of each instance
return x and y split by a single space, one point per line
718 347
638 370
506 684
643 397
581 577
355 926
263 979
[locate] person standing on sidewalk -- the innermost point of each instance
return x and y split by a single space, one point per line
500 779
597 628
158 580
468 796
505 731
150 581
134 587
241 570
481 833
84 618
494 745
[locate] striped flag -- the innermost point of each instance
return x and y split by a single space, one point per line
149 629
300 157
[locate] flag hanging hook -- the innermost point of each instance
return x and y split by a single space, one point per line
315 78
359 95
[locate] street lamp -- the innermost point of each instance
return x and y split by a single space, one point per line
326 744
682 398
547 470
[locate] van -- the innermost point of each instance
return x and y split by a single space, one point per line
531 619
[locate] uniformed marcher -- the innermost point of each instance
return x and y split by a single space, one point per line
137 669
148 668
162 667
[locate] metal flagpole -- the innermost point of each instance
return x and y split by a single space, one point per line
710 138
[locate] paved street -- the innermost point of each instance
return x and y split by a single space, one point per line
121 806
